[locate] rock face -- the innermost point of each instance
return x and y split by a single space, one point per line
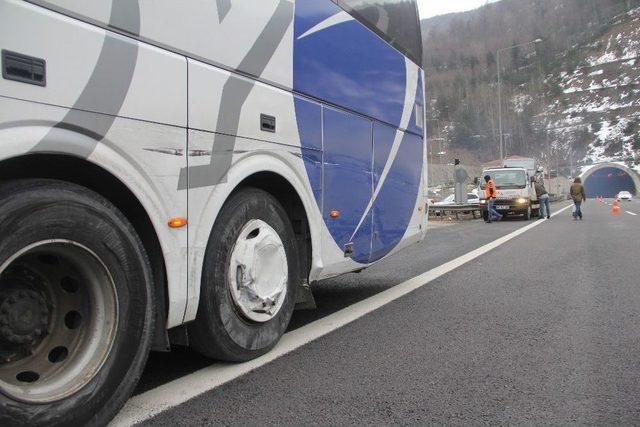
597 105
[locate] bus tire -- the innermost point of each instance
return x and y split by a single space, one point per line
228 325
73 262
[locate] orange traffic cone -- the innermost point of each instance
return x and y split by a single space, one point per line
616 207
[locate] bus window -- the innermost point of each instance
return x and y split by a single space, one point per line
396 21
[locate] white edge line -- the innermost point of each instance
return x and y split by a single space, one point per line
151 403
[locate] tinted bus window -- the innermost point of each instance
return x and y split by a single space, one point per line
396 21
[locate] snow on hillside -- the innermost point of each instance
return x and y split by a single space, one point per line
623 46
596 106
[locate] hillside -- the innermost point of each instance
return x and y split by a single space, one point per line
572 98
596 108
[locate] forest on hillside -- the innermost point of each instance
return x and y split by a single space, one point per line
542 112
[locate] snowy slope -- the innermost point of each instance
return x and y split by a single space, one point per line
595 108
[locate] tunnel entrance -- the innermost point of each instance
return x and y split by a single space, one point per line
609 180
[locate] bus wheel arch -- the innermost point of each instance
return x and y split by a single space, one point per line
82 172
249 279
223 328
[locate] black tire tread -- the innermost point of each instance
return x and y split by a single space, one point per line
207 338
65 412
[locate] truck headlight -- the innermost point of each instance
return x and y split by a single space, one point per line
521 201
483 202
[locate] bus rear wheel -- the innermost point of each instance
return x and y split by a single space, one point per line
249 279
76 305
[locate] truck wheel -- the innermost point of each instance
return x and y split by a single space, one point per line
249 279
76 305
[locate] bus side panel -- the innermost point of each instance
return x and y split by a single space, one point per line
396 214
224 34
394 207
227 144
91 69
339 60
111 100
348 180
309 121
228 103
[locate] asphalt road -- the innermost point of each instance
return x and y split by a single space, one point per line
544 329
445 241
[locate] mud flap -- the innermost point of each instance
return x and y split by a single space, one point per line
304 297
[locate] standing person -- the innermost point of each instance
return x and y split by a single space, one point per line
490 193
578 196
543 197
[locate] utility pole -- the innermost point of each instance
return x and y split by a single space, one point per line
570 160
557 175
499 106
548 158
500 90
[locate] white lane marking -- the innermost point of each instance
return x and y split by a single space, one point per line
146 405
631 213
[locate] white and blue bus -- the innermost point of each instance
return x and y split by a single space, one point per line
181 171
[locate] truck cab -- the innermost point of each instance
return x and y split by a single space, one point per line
516 192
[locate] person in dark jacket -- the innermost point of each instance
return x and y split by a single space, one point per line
578 196
543 197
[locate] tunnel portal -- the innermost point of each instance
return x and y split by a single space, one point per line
608 180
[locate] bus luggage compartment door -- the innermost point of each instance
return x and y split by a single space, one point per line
348 181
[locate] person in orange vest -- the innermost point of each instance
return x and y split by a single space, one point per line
490 193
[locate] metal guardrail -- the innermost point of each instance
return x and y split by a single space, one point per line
456 209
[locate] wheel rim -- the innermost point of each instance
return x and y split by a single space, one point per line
58 317
258 274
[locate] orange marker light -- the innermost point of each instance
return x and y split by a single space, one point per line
177 222
334 213
420 208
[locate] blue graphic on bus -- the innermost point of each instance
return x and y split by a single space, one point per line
362 83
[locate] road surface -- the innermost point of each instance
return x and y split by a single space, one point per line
543 328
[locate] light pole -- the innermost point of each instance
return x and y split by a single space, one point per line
500 89
430 148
